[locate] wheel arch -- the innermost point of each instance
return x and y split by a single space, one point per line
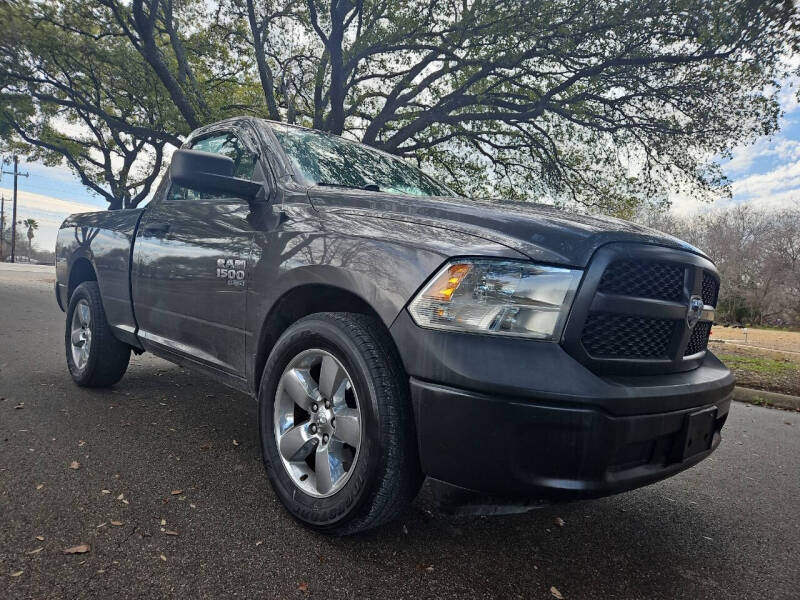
81 270
299 302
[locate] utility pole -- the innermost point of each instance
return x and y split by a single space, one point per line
16 174
2 224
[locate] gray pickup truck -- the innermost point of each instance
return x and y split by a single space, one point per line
390 330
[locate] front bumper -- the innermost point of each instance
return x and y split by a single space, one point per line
519 418
538 451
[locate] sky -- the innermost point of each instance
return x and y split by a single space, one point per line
765 174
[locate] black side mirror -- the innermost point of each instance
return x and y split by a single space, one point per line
211 173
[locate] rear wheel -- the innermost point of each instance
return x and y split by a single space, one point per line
337 431
94 356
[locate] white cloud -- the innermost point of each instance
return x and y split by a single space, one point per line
787 97
47 210
778 147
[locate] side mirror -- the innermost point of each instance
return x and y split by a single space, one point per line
211 173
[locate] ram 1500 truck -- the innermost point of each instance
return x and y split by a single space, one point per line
390 330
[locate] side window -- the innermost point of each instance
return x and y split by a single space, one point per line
227 144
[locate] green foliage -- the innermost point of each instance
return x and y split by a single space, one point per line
757 364
607 105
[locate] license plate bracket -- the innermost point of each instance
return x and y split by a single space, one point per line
698 431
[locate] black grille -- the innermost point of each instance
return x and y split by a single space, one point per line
623 336
658 280
710 290
699 338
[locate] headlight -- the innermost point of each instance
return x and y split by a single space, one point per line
502 297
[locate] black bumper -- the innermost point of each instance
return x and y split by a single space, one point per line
524 419
520 448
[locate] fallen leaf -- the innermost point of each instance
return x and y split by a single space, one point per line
40 486
17 573
100 571
36 551
259 542
560 522
125 502
40 538
103 524
429 569
555 593
235 443
81 443
303 587
163 521
18 407
162 557
75 465
170 532
105 491
121 496
79 549
117 523
176 492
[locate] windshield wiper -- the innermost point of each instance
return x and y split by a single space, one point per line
372 187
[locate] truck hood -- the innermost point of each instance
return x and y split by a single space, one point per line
543 233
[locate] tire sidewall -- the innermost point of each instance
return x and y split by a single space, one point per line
321 513
82 376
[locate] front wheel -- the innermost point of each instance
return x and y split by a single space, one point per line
337 431
94 356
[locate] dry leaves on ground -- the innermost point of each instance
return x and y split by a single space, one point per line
36 551
40 486
555 593
40 538
303 587
560 522
17 573
79 549
176 492
75 465
117 523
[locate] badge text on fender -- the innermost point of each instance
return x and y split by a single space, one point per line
232 270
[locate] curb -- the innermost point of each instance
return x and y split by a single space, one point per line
763 398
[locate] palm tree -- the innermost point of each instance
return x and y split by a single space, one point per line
32 225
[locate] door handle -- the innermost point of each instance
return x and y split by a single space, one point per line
156 227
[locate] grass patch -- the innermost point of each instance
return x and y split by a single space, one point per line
757 364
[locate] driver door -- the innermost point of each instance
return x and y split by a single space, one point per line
192 265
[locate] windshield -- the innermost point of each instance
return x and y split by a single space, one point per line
323 159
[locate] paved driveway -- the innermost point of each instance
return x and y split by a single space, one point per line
166 452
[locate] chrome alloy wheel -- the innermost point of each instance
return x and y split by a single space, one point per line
317 421
81 333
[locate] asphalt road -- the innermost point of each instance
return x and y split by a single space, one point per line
729 528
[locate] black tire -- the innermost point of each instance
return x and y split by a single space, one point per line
386 475
107 356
